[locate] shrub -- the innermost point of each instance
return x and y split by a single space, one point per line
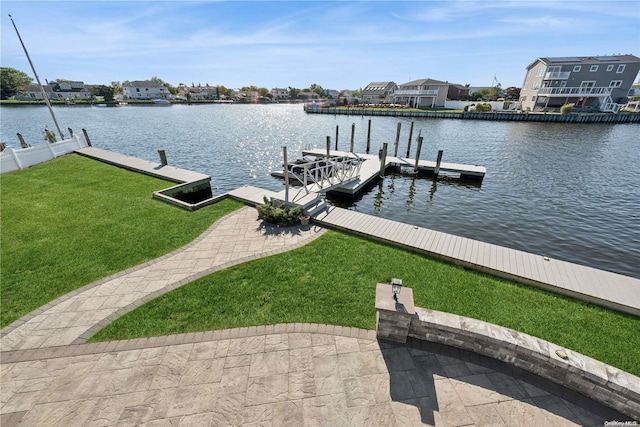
482 107
566 109
282 215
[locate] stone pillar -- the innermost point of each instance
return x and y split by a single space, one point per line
393 317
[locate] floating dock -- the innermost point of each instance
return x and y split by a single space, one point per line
370 169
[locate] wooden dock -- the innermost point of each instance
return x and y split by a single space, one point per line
600 287
168 173
604 288
370 170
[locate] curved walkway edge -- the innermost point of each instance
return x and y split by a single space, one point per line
285 374
73 318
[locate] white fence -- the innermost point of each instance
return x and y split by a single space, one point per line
14 159
495 105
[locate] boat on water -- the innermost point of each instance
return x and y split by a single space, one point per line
161 101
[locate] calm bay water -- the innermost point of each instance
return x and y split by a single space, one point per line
567 191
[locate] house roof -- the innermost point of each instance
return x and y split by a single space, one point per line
604 59
422 82
378 86
142 83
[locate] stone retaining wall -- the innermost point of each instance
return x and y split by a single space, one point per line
602 383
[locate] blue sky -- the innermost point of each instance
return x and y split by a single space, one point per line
338 45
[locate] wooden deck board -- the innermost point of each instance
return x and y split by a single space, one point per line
610 289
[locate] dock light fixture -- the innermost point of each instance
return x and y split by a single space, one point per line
396 287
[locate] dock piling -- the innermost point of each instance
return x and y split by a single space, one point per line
395 150
86 137
438 161
337 127
369 137
418 149
23 143
70 132
383 159
353 132
410 137
328 147
163 157
286 173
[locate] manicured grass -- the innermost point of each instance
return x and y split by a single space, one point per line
71 221
332 280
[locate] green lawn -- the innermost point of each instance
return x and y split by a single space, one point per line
332 280
71 221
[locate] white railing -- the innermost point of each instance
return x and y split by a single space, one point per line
321 173
408 92
578 91
610 107
14 159
559 75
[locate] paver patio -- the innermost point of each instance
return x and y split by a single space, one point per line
295 374
271 377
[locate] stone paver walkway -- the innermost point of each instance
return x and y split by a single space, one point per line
282 375
72 319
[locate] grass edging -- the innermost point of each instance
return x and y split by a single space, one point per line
73 220
332 281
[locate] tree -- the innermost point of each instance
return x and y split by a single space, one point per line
12 82
512 92
317 89
117 87
106 92
263 91
223 92
172 90
293 92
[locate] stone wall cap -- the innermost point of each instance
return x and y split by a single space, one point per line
385 301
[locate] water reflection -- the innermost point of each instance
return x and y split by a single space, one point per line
567 191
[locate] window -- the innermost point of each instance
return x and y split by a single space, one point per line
533 99
610 67
536 86
577 68
615 83
593 68
621 68
540 72
524 98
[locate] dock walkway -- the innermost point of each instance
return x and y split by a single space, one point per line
600 287
169 173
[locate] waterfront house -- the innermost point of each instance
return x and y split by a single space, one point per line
590 83
200 93
423 93
458 92
378 92
332 93
143 90
308 95
279 94
64 90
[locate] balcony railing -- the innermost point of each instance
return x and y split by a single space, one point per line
410 92
577 91
560 75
